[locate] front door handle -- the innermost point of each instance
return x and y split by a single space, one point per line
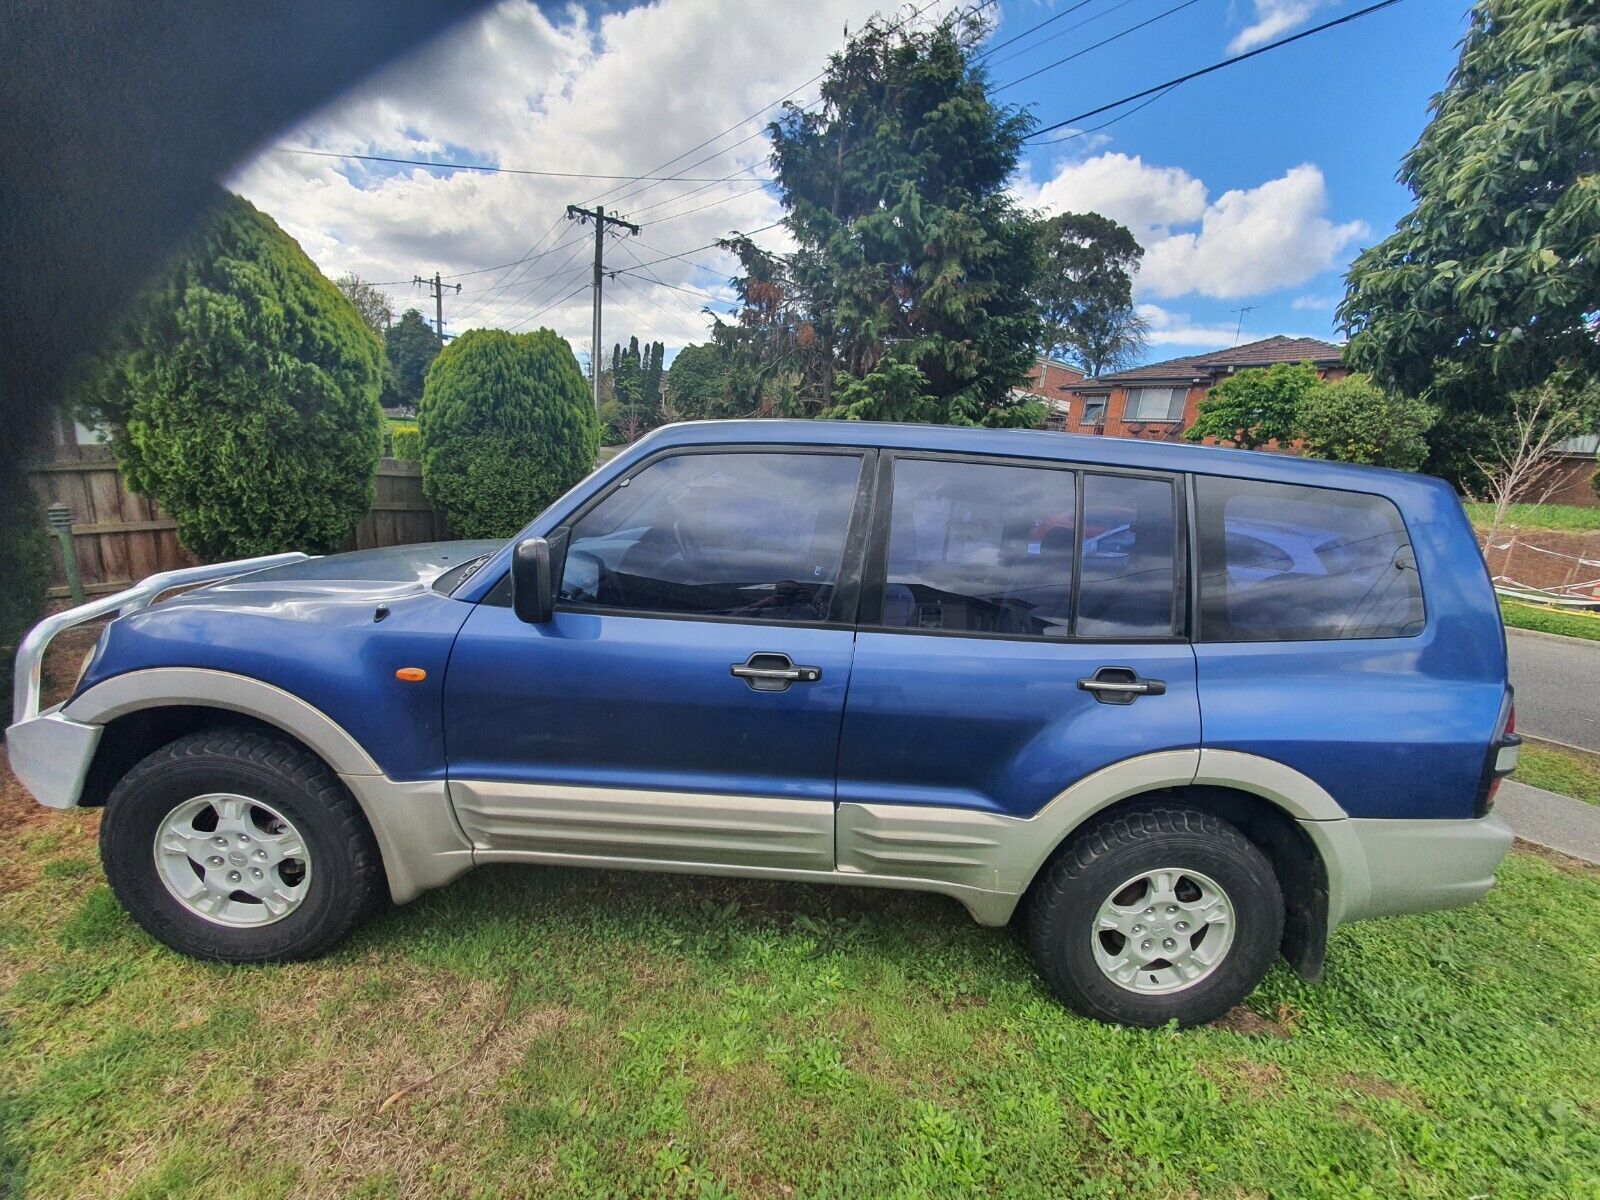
1120 685
765 671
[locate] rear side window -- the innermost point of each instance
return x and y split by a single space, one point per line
1286 563
980 548
1129 544
988 548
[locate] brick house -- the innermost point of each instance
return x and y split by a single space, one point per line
1161 400
1049 380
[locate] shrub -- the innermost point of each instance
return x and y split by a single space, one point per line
1353 420
25 551
507 425
406 441
1254 407
242 394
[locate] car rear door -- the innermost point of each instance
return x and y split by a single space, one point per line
684 703
1021 627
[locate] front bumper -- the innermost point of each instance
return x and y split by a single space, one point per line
1384 868
50 755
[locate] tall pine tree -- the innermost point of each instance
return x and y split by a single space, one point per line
908 296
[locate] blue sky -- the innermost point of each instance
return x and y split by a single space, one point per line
1254 186
1350 101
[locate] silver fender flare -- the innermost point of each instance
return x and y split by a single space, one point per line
993 858
420 843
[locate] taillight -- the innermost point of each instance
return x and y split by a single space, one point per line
1503 754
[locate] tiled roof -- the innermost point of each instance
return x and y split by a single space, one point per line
1264 353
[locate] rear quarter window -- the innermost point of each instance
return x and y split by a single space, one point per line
1279 562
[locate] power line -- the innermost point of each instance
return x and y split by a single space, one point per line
1065 12
680 322
657 249
582 287
1078 133
915 13
654 278
689 212
713 245
676 177
520 275
1161 16
487 169
1060 33
541 289
1216 66
687 291
528 257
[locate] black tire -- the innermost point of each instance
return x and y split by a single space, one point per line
346 881
1065 899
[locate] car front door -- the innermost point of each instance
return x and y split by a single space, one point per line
684 703
993 588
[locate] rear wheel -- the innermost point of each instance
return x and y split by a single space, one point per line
1156 914
234 845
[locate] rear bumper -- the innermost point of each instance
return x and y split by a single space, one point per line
1383 868
50 755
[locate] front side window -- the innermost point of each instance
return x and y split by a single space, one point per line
1286 563
751 535
1094 412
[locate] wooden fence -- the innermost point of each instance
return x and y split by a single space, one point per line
118 537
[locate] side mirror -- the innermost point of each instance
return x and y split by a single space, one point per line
533 585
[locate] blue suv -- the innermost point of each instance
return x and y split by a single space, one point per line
1178 709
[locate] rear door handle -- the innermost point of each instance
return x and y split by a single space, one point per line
1120 685
766 671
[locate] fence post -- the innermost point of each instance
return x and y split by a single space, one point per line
60 518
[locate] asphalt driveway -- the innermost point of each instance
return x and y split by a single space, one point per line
1558 687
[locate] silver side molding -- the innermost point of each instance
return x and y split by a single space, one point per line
30 653
647 826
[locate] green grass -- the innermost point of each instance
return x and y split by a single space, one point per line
1573 517
636 1035
1555 769
1546 619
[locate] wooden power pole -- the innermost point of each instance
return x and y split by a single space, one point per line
598 215
438 288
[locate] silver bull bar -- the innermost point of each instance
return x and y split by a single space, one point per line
25 692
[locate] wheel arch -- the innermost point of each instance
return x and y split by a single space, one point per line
1270 803
419 842
148 703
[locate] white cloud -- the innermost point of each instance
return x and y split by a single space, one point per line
559 90
1125 188
1315 303
1274 18
1245 242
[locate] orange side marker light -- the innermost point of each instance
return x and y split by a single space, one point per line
411 674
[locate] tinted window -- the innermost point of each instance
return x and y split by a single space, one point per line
1129 541
758 536
1287 563
980 548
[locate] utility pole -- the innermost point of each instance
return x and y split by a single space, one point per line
597 214
438 288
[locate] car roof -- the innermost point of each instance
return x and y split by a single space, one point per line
1131 453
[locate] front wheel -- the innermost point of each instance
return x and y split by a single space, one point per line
236 846
1156 914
